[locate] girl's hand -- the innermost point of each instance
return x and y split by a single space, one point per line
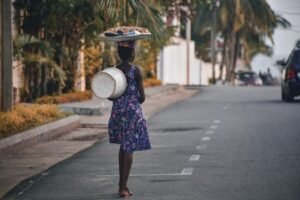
139 80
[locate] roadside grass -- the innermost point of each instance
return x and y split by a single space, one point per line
24 117
44 110
151 82
65 98
82 96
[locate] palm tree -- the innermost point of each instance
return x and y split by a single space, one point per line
68 25
243 24
259 24
39 66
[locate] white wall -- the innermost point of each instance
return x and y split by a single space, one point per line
206 72
80 73
172 64
17 80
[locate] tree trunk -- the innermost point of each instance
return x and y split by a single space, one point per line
62 59
223 56
235 53
44 80
231 44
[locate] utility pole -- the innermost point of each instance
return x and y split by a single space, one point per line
0 55
6 79
215 5
188 40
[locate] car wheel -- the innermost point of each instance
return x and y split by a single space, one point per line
288 97
282 94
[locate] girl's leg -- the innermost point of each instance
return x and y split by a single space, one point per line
121 168
128 157
125 163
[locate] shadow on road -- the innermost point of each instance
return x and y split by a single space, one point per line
271 101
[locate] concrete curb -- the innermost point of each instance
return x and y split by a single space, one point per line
159 90
82 110
39 134
98 107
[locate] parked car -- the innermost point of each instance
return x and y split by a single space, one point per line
290 77
245 78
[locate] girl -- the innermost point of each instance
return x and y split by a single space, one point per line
127 125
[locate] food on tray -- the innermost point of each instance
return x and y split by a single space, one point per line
125 30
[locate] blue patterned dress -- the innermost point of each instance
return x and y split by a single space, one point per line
127 125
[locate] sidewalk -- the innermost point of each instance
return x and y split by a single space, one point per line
95 112
17 167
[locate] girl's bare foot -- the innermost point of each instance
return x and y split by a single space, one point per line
130 193
124 194
128 190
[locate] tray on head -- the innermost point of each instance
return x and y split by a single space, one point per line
125 37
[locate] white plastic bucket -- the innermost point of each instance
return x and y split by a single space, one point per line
109 83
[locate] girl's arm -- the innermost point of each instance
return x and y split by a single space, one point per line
139 79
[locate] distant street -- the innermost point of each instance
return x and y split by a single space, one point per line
225 143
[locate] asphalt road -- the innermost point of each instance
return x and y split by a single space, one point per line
225 143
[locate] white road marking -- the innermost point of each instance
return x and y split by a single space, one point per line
217 121
200 147
187 171
194 158
226 106
174 133
209 132
159 146
213 126
184 172
205 139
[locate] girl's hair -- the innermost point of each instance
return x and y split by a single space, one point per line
125 53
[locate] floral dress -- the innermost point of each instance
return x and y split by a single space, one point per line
127 125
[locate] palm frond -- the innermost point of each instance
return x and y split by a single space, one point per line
20 41
282 22
151 19
110 7
202 19
25 39
31 58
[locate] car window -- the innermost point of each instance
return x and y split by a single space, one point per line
246 75
290 57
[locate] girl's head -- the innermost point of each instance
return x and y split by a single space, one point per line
126 50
